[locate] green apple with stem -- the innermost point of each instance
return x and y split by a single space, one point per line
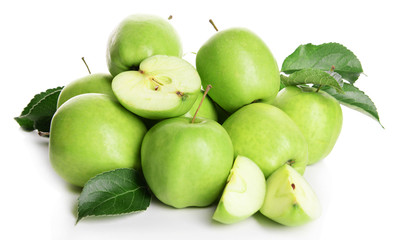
266 135
290 200
207 110
186 161
92 133
317 114
163 87
138 37
240 68
244 192
92 83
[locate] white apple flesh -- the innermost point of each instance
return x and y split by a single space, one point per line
244 192
290 200
163 87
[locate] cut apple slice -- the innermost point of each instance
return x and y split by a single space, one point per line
244 193
289 198
163 87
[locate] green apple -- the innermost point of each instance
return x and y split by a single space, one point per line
187 164
266 135
317 114
240 68
244 193
221 113
207 110
138 37
163 87
289 199
93 83
92 133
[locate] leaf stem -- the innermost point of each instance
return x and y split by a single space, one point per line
43 134
202 100
88 69
213 24
331 70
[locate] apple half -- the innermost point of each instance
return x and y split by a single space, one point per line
163 87
244 192
289 199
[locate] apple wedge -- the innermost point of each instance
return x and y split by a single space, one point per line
163 87
244 193
289 198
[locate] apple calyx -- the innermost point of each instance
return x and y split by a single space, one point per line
88 69
202 100
213 24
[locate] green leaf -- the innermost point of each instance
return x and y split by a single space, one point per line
283 79
355 99
314 76
115 192
323 57
40 110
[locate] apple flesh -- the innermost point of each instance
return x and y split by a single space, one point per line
187 164
240 68
317 114
244 193
289 198
138 37
266 135
163 87
93 83
92 133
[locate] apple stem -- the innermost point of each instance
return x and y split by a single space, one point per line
202 100
290 162
88 69
331 70
213 24
170 17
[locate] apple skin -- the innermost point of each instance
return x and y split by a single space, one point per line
207 110
93 83
92 133
240 68
317 114
244 192
266 135
186 164
289 199
222 114
138 37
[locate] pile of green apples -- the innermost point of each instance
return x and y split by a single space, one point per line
245 144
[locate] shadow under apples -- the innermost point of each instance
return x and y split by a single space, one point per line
266 222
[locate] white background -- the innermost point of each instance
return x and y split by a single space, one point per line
41 45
